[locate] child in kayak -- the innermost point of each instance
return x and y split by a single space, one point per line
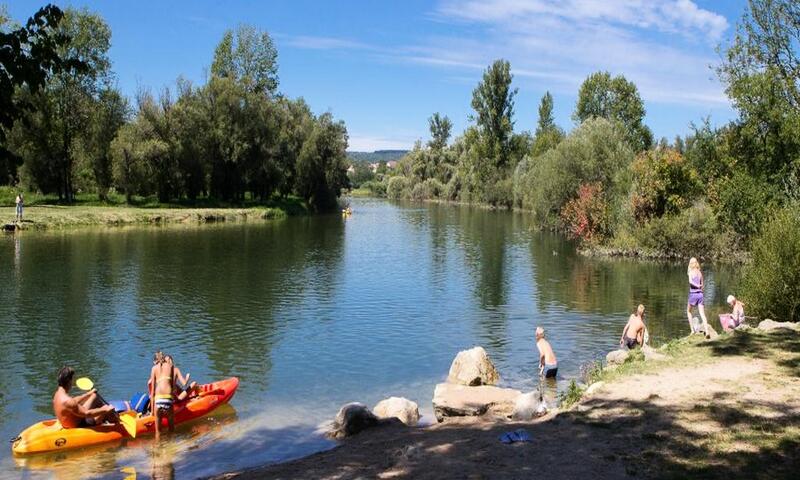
162 383
81 411
182 386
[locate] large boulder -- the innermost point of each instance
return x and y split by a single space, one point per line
398 407
768 325
451 400
352 419
617 357
473 367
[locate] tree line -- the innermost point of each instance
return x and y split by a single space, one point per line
235 137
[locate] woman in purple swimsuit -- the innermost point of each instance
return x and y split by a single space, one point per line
696 294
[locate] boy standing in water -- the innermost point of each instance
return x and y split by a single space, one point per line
548 364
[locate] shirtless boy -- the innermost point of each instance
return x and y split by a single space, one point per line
633 334
548 364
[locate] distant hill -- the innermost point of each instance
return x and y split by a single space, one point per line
376 156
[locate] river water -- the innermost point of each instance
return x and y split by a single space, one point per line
309 313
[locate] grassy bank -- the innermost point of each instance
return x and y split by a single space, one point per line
44 212
726 408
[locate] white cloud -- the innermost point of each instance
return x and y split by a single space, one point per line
311 42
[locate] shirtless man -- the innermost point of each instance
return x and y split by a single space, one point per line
548 364
81 411
633 334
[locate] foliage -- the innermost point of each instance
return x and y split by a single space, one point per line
772 280
586 216
616 99
362 173
375 188
548 134
248 57
570 396
663 183
440 127
744 202
398 187
321 168
428 189
594 153
693 231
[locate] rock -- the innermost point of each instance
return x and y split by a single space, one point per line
617 357
594 387
451 400
396 407
651 354
743 328
768 325
473 367
711 334
528 406
352 419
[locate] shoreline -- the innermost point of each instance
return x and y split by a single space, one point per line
56 217
716 408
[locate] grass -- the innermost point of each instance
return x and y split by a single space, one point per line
46 212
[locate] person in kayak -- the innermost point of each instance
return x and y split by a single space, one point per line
162 383
548 364
84 410
182 386
633 333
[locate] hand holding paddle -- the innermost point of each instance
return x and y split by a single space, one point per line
128 421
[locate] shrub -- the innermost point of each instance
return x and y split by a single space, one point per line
771 284
571 395
663 183
596 152
430 188
694 231
743 203
375 187
398 187
586 216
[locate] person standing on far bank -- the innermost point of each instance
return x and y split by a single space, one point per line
20 203
696 287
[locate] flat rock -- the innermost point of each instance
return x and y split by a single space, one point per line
617 357
651 354
768 325
397 407
473 367
451 400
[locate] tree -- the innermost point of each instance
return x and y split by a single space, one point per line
321 165
129 154
28 57
440 127
615 99
248 56
493 102
548 134
108 114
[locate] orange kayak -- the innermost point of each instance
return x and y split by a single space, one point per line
49 435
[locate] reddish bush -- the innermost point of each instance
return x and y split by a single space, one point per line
586 216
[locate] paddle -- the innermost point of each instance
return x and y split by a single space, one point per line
128 421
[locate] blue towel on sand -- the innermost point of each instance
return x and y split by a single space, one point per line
520 435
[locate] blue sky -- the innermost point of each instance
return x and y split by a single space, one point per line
384 67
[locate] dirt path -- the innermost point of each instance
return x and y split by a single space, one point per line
723 409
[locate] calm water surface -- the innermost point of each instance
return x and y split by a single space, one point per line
309 313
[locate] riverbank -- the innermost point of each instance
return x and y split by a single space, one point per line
724 408
47 217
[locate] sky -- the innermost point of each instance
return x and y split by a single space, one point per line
385 66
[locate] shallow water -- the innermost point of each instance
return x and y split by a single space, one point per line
309 313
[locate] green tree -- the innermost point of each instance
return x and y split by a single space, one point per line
30 56
548 134
440 127
321 165
248 56
616 99
493 102
129 158
107 115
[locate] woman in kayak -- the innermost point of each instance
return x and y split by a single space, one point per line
162 383
696 287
